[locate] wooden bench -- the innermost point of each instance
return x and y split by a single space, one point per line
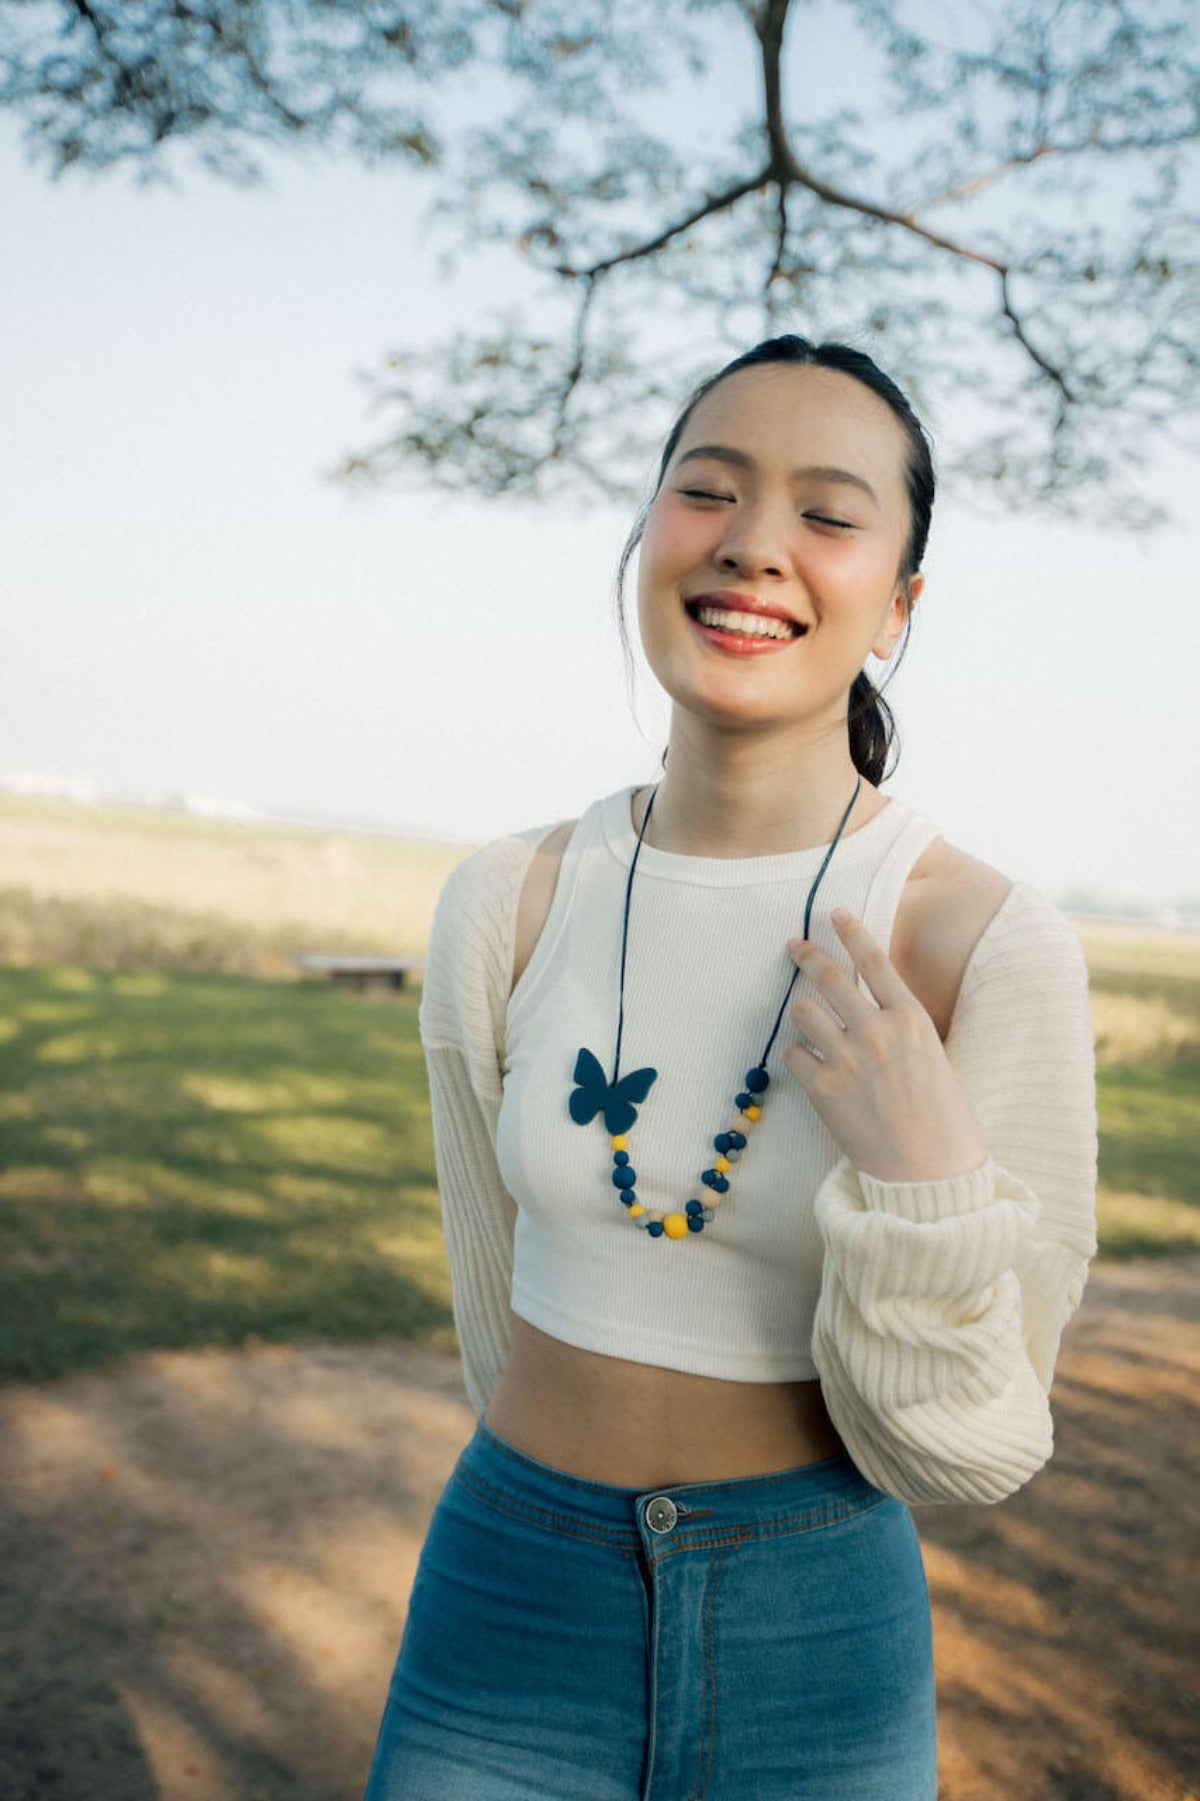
364 973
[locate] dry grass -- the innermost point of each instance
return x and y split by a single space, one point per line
124 887
1130 1029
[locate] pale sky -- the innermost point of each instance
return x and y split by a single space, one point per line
189 607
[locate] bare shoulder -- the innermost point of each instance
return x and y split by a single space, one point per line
948 903
537 893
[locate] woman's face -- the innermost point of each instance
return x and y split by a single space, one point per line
786 494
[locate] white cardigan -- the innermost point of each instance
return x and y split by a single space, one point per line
942 1303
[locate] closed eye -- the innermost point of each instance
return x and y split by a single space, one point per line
845 525
703 494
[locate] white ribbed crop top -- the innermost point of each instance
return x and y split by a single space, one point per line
707 968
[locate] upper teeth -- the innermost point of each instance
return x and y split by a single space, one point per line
754 625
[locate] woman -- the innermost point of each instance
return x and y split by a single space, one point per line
762 1225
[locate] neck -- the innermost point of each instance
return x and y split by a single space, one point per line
726 794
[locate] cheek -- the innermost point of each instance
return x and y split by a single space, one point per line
659 545
660 557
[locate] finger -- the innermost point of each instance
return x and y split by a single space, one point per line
814 1022
872 961
832 981
804 1064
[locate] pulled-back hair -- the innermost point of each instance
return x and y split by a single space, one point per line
872 729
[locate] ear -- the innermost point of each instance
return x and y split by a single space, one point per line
892 628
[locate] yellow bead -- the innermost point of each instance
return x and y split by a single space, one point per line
636 1211
753 1112
620 1142
675 1225
721 1165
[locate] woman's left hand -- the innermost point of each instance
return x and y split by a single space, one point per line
882 1081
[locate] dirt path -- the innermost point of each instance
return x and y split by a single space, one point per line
205 1559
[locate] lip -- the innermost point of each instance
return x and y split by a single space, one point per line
734 602
726 642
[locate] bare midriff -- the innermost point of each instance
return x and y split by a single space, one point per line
638 1426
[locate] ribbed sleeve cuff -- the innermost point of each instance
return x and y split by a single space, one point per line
925 1202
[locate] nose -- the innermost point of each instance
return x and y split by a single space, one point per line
756 543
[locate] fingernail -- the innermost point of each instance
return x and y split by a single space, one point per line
839 916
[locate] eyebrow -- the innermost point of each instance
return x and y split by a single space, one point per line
826 472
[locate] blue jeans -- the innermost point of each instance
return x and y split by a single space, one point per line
753 1640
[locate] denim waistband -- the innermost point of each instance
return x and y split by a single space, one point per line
782 1502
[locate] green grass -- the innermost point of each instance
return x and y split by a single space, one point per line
198 1147
195 1159
191 1159
1149 1202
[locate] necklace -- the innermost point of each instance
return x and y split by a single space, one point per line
617 1101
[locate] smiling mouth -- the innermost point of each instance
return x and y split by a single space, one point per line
734 624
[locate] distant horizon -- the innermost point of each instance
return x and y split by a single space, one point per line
1174 913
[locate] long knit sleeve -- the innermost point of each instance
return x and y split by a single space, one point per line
943 1303
461 1019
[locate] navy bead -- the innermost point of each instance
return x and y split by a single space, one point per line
737 1140
757 1080
627 1197
621 1158
721 1142
721 1184
655 1228
695 1222
710 1178
742 1101
694 1207
624 1177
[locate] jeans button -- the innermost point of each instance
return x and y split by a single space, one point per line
661 1513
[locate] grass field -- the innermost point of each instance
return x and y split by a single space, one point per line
197 1146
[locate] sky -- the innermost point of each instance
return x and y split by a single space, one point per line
189 606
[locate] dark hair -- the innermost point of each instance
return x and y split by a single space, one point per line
870 723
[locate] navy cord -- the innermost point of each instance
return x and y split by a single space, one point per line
808 905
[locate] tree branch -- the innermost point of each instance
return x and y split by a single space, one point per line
711 205
776 272
989 175
1009 312
786 169
579 361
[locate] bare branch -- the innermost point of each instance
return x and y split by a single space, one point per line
708 208
979 182
575 372
1018 330
781 237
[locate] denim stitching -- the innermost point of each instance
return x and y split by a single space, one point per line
654 1614
539 1516
708 1652
748 1533
814 1519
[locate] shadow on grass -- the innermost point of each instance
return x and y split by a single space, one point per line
193 1159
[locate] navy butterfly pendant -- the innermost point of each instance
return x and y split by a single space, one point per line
595 1094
